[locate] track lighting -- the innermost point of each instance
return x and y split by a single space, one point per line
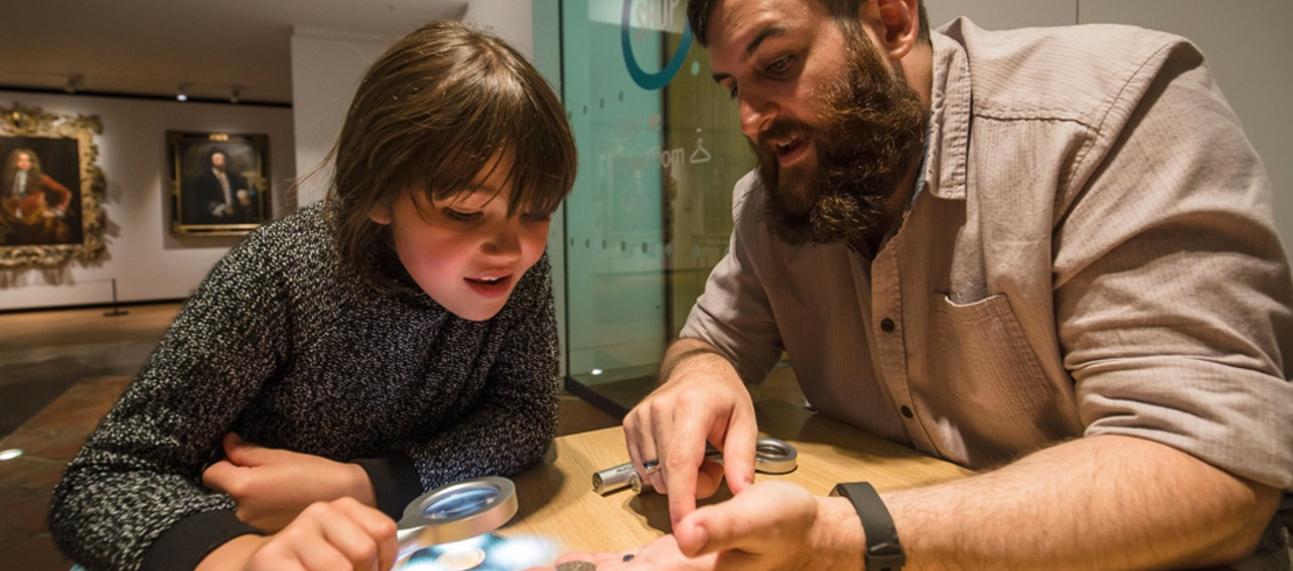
73 83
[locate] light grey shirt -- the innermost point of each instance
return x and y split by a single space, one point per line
1093 252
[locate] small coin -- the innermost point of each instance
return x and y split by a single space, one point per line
576 566
461 560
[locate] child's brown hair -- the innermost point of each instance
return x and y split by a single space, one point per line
428 116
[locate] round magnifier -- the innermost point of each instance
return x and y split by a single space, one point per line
456 512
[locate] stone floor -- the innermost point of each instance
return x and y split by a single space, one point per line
60 372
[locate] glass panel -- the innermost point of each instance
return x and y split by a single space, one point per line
650 215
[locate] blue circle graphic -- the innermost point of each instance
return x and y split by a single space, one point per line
651 81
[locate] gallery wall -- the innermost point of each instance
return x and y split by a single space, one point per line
147 261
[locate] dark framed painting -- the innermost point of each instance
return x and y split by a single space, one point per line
51 189
219 182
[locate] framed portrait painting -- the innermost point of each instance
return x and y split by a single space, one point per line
51 188
219 182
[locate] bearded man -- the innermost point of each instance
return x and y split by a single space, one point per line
1044 254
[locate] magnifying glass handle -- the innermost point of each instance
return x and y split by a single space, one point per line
407 541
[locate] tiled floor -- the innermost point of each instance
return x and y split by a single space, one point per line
60 372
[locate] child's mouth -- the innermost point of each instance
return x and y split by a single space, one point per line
490 286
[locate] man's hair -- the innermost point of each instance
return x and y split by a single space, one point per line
427 117
208 158
34 173
698 15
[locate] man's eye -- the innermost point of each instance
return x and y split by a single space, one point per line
780 65
731 92
461 216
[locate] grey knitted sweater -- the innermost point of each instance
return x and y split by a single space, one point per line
285 347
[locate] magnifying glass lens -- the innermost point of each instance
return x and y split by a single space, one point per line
462 503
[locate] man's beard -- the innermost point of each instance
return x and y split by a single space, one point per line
873 126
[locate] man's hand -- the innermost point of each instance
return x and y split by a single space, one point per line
341 534
272 486
662 553
244 197
702 400
772 525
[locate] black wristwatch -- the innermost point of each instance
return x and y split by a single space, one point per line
883 551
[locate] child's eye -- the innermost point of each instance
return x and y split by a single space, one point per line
536 217
461 216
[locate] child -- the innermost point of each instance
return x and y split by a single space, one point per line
398 337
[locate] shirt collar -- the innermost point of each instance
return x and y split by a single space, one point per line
947 146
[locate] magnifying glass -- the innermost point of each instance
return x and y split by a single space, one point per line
771 456
456 512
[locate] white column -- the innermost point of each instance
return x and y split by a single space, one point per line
326 68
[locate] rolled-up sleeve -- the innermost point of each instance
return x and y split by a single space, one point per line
1173 291
733 314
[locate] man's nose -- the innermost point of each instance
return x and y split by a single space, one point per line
756 116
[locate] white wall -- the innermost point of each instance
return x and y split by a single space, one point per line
146 259
1003 14
511 20
327 66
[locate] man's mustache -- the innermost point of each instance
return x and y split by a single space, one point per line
781 129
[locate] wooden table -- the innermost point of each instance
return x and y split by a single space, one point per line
557 499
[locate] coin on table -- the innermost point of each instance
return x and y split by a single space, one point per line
576 566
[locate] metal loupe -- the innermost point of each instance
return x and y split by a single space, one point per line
456 512
771 456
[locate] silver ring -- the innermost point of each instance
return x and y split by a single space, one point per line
771 456
651 466
775 456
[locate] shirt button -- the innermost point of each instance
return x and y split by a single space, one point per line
887 325
906 411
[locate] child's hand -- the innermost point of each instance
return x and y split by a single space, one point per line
341 534
272 486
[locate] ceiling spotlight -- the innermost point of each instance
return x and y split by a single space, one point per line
73 83
235 94
182 91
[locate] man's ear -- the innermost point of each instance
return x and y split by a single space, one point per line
896 24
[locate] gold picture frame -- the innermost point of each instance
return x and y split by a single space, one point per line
219 182
51 188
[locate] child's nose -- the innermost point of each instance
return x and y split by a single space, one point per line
505 240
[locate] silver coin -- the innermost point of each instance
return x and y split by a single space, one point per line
576 566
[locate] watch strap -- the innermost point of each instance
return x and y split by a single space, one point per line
883 551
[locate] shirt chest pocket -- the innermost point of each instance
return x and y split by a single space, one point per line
979 353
